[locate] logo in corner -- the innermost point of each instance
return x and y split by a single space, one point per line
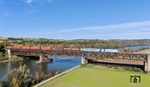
135 79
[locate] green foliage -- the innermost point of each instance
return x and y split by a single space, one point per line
15 82
95 43
0 84
17 77
21 77
3 44
2 56
126 49
141 49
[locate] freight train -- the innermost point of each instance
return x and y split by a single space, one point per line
61 49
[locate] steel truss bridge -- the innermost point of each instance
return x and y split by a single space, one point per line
102 57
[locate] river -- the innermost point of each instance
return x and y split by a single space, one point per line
58 65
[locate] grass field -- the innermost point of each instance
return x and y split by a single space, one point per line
98 76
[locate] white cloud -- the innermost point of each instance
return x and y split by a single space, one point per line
131 30
38 1
144 25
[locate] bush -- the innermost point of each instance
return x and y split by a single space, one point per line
21 77
2 56
17 77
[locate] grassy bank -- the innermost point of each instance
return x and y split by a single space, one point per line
98 76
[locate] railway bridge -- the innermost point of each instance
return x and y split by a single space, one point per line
40 52
86 55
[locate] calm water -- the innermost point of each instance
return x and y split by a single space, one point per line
58 65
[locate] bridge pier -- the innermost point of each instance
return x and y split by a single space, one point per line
43 59
9 53
147 64
84 61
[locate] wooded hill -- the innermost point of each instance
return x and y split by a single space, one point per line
81 43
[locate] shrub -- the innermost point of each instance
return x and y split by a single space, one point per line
17 77
21 77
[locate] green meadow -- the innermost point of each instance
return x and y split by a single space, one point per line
98 76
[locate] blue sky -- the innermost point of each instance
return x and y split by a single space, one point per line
75 19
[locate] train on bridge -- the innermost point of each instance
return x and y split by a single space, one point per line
60 49
39 48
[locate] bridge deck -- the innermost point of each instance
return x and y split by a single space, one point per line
117 61
106 57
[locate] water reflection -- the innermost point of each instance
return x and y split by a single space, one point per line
58 65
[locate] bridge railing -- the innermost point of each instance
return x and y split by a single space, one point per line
115 56
95 54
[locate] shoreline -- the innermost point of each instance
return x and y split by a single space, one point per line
16 59
56 76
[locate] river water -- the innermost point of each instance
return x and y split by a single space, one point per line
58 65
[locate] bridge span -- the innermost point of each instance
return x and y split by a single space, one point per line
86 56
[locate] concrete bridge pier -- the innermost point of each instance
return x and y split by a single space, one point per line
43 59
84 61
147 64
9 53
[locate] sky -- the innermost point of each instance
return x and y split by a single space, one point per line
75 19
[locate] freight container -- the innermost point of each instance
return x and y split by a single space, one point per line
9 47
46 48
90 49
111 50
17 47
57 48
26 47
67 48
35 48
76 49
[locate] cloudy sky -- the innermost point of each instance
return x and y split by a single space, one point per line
75 19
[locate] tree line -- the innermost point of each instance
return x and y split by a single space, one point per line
85 43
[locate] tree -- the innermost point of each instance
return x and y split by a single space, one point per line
17 77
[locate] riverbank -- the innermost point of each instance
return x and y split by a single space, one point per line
144 51
40 84
40 72
13 59
97 76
